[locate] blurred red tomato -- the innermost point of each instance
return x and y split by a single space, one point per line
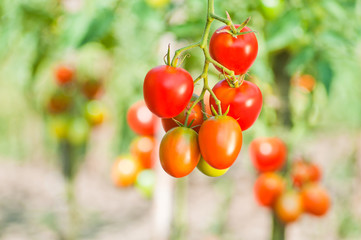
268 187
145 149
125 170
141 120
92 89
59 102
315 199
305 82
289 206
303 172
63 74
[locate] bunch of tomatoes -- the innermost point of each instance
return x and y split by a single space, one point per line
194 138
73 105
290 192
137 167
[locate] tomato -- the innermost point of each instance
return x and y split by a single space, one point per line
220 141
141 120
167 90
125 170
315 199
144 148
289 207
95 112
145 182
78 132
207 170
235 53
196 115
59 102
305 82
268 187
272 9
58 127
244 102
303 172
63 74
92 89
179 151
268 154
157 3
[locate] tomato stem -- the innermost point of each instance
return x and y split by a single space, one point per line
278 228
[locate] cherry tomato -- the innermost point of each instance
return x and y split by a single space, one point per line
244 102
59 102
125 170
167 90
304 172
196 115
208 170
289 207
157 3
95 112
235 53
144 148
78 132
63 74
58 127
145 182
268 154
220 141
272 9
92 89
305 82
179 151
315 172
268 187
141 120
315 199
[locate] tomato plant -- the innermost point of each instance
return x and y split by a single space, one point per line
195 116
268 187
92 89
210 171
316 200
78 131
236 53
95 112
179 151
220 141
268 154
244 102
125 170
289 207
144 148
63 74
59 102
167 90
141 120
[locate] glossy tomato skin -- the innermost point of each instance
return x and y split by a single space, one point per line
196 115
141 120
210 171
315 199
179 151
145 149
220 141
289 206
268 187
63 74
268 154
235 53
244 102
167 90
125 170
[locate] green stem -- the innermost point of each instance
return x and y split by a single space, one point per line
278 228
179 52
72 210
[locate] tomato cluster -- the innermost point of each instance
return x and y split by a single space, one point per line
291 193
137 167
74 105
194 138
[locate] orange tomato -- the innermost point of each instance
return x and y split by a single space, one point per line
63 74
316 200
268 187
125 170
145 149
289 206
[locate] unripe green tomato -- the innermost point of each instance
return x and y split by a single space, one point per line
210 171
58 127
145 182
78 132
157 3
272 8
95 112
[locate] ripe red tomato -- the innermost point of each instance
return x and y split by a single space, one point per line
268 187
303 172
268 154
145 149
196 115
59 102
220 141
141 120
244 102
235 53
63 74
289 207
92 89
315 199
125 170
179 151
167 90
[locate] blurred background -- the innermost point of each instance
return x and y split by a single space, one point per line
308 69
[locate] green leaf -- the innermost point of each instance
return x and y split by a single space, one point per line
325 73
300 60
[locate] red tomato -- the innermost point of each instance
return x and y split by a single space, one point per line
92 89
63 74
315 172
235 53
268 187
315 199
179 151
244 102
220 141
268 154
59 102
167 90
289 207
144 148
196 115
141 120
125 170
303 172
